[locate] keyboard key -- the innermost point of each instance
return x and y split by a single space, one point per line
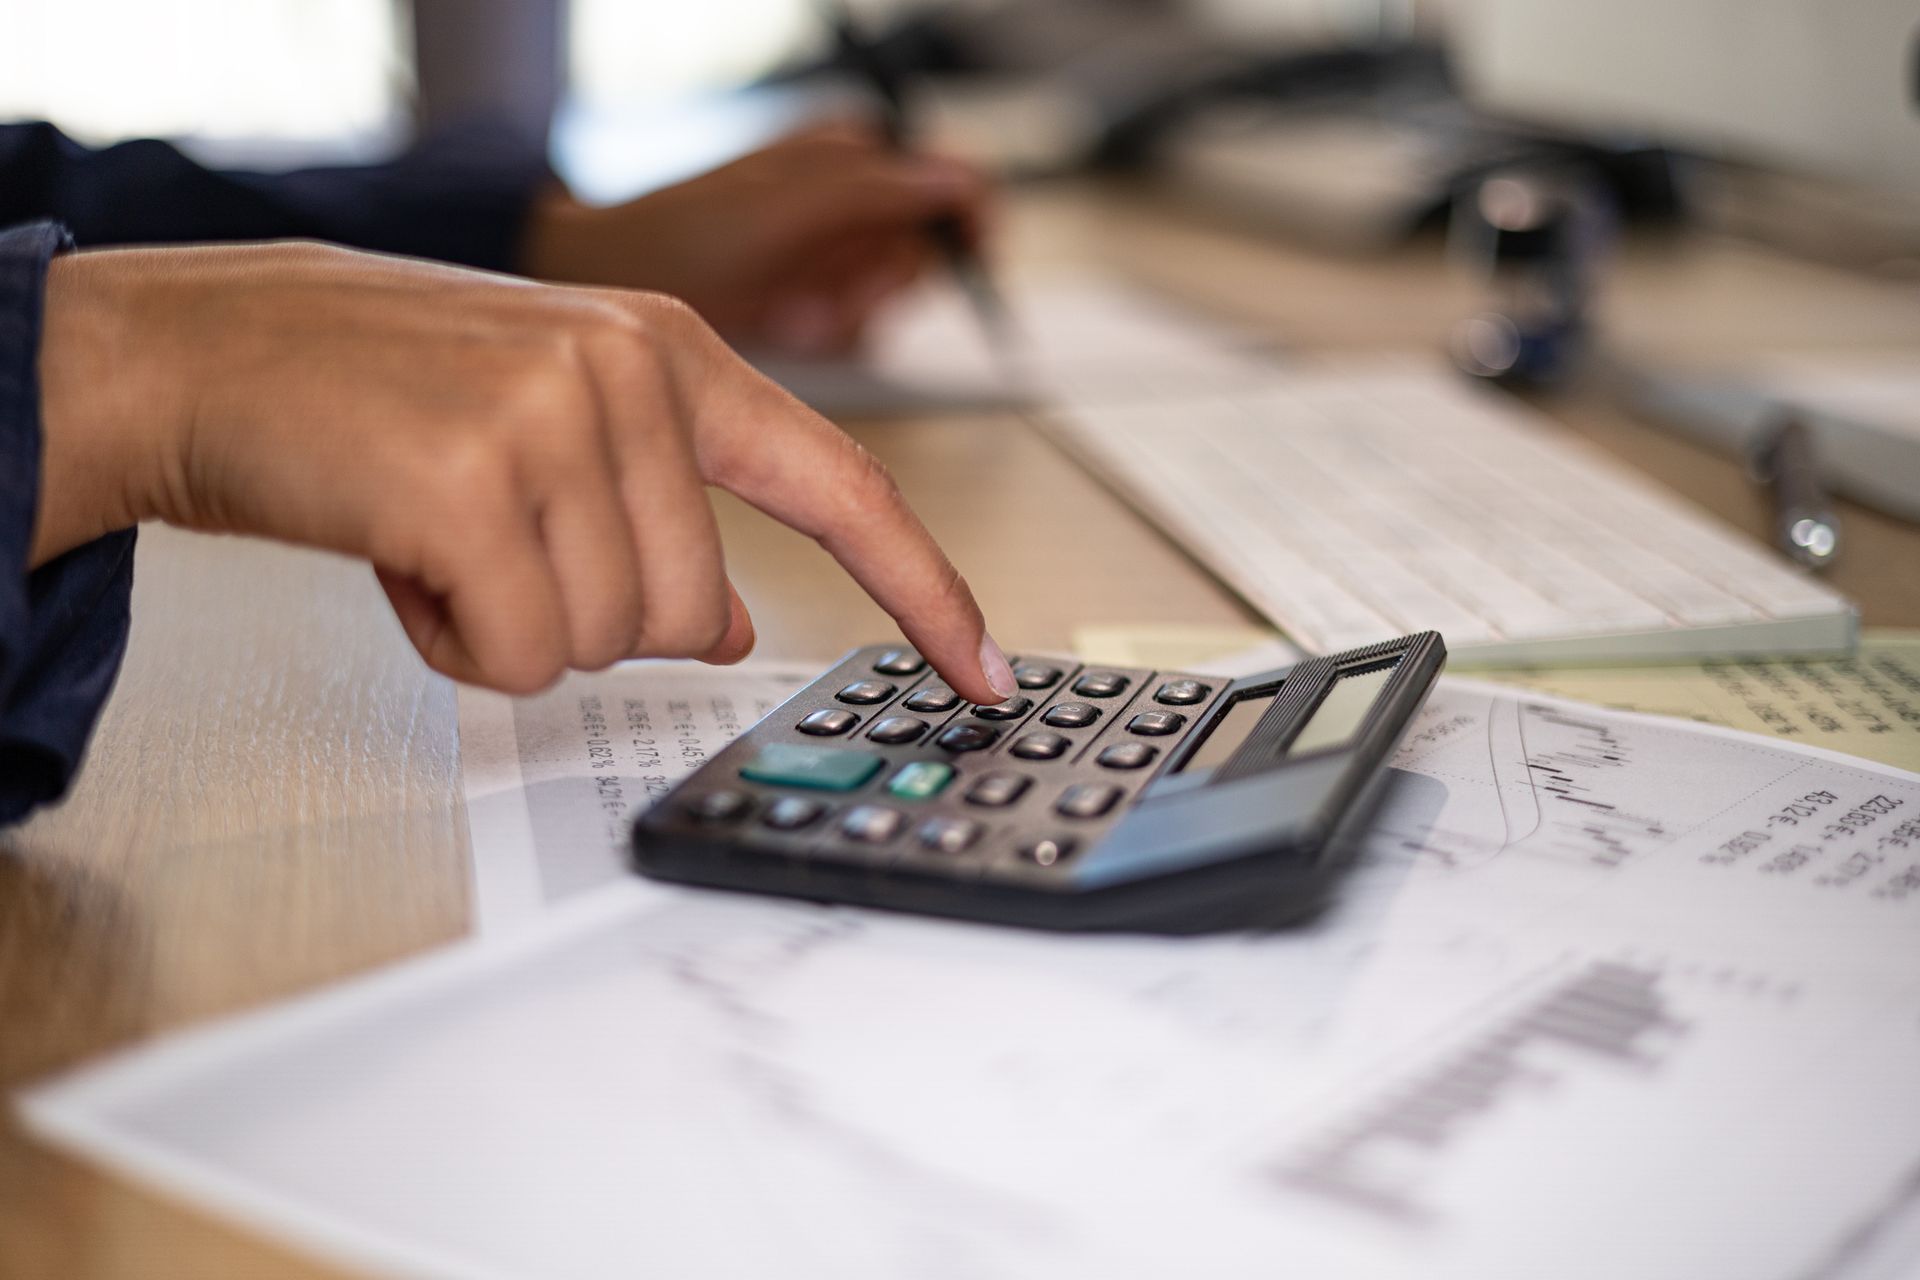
899 662
1039 746
1086 800
1156 724
1071 715
1100 684
1011 709
863 692
997 790
1035 676
967 737
828 723
949 835
1181 693
895 730
717 806
791 813
871 824
1047 850
933 700
921 780
784 764
1128 755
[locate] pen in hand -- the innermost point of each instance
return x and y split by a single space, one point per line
948 233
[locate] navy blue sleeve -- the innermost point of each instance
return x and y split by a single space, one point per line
455 198
63 628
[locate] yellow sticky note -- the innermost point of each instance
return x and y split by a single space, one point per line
1164 646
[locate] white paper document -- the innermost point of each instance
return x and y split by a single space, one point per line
1091 339
552 782
1607 996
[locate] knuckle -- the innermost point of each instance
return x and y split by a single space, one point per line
873 485
474 470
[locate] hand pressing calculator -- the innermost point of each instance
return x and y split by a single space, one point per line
1098 798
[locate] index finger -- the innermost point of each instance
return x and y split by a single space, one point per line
764 446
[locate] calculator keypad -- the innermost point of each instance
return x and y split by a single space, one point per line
880 765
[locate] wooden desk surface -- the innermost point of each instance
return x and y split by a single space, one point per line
273 797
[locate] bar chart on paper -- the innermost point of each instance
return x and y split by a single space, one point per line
1610 1014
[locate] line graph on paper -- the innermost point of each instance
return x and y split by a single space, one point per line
1561 784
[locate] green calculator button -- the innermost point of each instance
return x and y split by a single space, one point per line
821 768
920 780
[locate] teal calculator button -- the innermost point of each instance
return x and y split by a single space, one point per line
822 768
920 780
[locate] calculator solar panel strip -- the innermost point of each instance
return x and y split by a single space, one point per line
1183 803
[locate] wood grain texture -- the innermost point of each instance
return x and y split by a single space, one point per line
272 800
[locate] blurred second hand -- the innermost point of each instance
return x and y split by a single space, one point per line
947 232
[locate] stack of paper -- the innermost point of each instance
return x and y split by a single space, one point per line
1609 995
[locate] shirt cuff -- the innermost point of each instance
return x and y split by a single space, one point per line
63 627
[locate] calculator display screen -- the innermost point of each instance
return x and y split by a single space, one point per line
1341 712
1230 730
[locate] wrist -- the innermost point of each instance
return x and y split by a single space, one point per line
104 411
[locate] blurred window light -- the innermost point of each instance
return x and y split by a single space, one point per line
627 54
305 70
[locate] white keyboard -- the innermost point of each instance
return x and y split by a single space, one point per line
1360 503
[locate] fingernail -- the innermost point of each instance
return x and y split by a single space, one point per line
993 665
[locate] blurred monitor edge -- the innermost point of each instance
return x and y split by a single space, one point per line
1813 86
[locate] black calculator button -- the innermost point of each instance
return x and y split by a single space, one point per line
1047 850
997 790
1157 723
1181 693
1100 684
718 806
1087 800
871 824
828 723
1128 755
790 813
933 701
895 730
1036 675
949 835
967 737
1071 715
899 662
1011 709
862 692
1039 746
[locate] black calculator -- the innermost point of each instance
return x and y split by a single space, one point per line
1097 798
